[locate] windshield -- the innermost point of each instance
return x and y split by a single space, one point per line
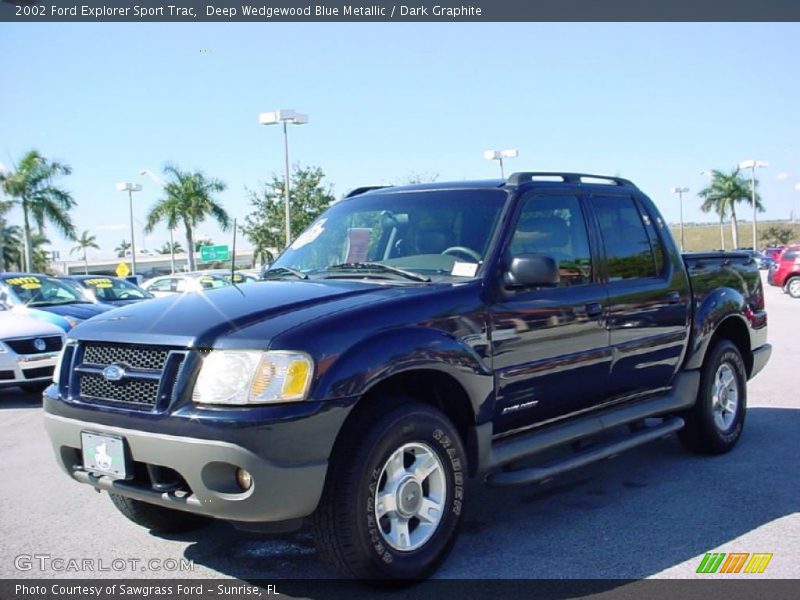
442 232
107 289
37 290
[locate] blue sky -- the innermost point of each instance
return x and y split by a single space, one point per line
656 103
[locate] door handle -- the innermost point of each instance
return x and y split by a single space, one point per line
673 297
594 309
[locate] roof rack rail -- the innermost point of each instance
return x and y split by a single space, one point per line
365 188
528 176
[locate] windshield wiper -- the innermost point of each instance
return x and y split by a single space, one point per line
285 271
373 266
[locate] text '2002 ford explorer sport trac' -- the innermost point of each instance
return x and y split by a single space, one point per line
410 338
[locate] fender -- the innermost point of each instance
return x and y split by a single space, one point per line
389 353
719 305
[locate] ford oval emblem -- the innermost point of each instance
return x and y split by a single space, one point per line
113 373
39 344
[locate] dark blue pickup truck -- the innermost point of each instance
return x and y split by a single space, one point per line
410 338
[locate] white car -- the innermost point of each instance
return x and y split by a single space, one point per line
180 283
29 350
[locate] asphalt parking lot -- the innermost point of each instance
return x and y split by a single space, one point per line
652 512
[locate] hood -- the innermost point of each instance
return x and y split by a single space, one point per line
201 318
77 311
52 318
14 324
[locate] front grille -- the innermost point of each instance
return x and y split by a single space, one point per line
150 374
28 346
130 391
38 372
152 359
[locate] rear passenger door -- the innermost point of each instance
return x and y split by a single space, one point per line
647 297
550 346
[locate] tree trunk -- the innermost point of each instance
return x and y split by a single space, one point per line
190 241
734 229
722 230
85 263
26 239
2 246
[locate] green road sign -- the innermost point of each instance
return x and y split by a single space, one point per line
214 253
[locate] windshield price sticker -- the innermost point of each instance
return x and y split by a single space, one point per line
26 283
100 283
464 269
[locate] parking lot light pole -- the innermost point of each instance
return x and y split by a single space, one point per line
753 165
499 155
680 191
130 188
286 117
794 202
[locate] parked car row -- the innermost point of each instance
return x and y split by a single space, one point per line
37 310
785 271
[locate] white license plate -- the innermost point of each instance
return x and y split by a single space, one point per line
104 454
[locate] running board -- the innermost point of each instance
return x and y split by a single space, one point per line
541 473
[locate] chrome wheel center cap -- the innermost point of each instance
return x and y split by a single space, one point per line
409 497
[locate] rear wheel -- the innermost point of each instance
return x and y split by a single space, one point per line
715 423
157 518
793 287
394 495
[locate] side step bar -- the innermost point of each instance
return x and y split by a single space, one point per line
548 471
492 455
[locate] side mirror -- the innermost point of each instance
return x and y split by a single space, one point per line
528 270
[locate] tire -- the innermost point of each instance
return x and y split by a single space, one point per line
363 530
35 388
157 518
710 428
793 287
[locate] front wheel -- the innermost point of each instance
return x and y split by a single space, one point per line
393 498
714 424
793 287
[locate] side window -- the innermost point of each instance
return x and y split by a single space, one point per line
163 285
628 249
655 243
554 225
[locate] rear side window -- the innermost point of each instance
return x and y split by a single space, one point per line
789 255
627 240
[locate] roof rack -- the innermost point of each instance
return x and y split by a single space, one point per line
365 188
528 176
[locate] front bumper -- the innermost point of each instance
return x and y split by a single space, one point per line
206 468
16 369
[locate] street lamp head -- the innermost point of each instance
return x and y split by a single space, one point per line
509 153
492 155
679 190
753 164
282 115
129 187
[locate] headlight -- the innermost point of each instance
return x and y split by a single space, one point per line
242 377
2 348
60 361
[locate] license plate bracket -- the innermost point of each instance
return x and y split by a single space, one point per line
105 454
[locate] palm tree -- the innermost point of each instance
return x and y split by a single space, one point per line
85 242
722 195
202 242
174 249
189 200
40 257
12 245
31 187
4 208
122 249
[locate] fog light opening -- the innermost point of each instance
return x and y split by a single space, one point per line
244 479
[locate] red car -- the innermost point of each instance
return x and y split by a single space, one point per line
785 272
